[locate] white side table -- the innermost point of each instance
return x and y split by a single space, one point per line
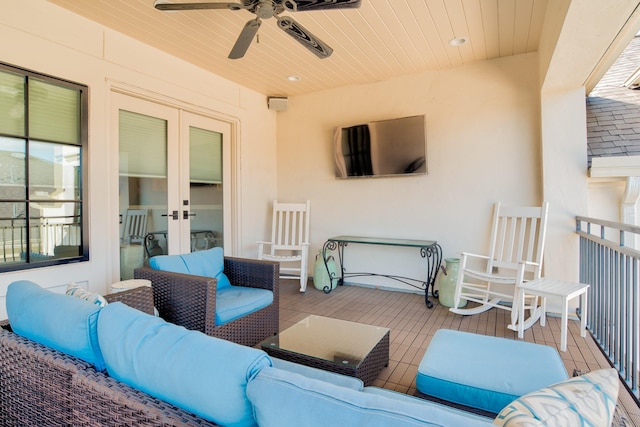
544 288
129 284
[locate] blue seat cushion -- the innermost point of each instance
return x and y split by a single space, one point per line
286 399
233 302
208 263
204 375
485 372
58 321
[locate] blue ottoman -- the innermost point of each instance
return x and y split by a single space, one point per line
485 373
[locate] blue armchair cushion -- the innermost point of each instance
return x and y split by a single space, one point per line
208 263
234 302
286 399
58 321
204 375
485 372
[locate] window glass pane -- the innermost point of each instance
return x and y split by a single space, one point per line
55 229
143 145
205 156
54 171
41 171
13 233
54 112
11 104
12 168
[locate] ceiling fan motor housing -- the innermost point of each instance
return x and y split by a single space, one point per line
264 9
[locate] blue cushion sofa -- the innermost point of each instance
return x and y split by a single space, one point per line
235 299
121 366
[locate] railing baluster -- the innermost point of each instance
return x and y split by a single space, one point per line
44 234
613 271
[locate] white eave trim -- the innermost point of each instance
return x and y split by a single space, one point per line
617 166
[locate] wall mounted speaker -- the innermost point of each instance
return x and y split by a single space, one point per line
277 103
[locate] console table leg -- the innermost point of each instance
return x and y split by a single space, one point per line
433 255
330 245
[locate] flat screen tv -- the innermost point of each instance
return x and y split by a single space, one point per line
395 147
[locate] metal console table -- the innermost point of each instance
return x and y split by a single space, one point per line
429 250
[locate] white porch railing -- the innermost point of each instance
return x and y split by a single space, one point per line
44 235
613 271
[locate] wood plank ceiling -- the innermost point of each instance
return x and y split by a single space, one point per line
380 40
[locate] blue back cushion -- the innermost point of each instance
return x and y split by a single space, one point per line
204 375
58 321
287 399
209 263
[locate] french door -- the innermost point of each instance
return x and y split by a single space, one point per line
171 179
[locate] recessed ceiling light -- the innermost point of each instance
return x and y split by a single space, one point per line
458 41
293 78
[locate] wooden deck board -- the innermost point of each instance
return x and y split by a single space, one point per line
412 326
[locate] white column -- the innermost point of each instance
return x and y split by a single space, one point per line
629 208
564 178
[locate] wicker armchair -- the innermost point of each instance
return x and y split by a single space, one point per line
140 298
190 301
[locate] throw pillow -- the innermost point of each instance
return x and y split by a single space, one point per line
75 290
589 399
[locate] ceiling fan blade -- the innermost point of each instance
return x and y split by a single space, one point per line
244 39
305 5
304 37
167 5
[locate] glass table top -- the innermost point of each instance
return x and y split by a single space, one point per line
384 241
334 340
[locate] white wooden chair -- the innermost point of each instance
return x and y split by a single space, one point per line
289 243
134 226
515 255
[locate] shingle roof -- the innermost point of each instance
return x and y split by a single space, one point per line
613 110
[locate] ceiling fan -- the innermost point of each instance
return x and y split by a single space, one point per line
264 9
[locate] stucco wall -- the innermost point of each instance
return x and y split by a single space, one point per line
482 147
48 39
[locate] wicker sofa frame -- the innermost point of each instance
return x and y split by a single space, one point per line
40 386
190 301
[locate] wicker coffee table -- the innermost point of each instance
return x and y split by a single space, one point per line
340 346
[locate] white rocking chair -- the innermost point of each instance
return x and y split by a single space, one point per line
289 241
515 255
134 227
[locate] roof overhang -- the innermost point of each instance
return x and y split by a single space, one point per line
618 166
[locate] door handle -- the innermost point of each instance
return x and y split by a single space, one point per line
186 214
174 215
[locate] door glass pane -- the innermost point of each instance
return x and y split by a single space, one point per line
11 104
54 112
143 189
143 145
205 154
205 178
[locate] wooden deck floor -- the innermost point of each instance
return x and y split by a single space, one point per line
412 325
